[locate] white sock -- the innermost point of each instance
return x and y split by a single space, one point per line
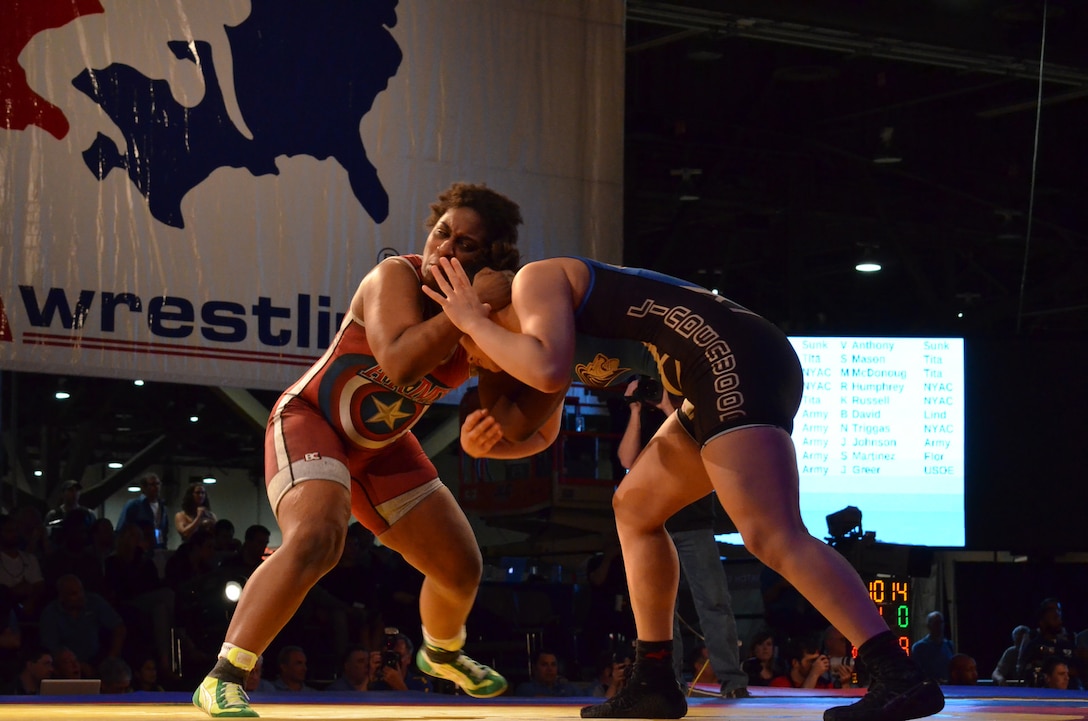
446 644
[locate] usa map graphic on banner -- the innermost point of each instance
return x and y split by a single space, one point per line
304 76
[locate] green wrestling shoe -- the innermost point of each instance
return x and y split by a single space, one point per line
475 679
223 699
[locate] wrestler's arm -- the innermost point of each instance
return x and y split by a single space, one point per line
482 436
520 409
540 355
405 344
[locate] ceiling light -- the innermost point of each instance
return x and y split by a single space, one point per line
194 419
137 382
38 474
133 489
62 395
115 465
868 262
208 480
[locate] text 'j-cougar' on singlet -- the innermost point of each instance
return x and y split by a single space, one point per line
734 366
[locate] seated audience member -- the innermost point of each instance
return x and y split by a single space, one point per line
191 561
196 512
138 593
962 670
37 665
116 675
20 572
611 674
78 620
146 676
73 554
546 680
807 665
840 652
933 651
102 540
1005 671
66 664
1055 674
403 677
226 545
762 664
256 682
250 553
292 678
356 671
1048 639
699 666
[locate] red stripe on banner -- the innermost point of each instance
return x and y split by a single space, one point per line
5 327
165 349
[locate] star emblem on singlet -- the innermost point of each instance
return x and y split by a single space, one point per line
388 413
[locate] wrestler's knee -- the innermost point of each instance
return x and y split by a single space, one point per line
316 546
773 544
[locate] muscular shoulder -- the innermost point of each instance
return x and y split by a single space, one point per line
397 276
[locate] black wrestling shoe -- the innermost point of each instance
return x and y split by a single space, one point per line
651 693
739 692
889 701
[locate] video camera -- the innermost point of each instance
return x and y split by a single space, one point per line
647 391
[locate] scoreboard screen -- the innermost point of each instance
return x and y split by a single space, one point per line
892 596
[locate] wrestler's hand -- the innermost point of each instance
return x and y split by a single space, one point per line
493 287
457 297
479 433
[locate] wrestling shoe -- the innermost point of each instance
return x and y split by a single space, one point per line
738 692
882 703
650 693
223 699
475 679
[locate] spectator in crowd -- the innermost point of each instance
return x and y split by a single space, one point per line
840 652
1048 639
139 595
72 554
191 560
356 671
116 675
933 651
692 532
66 664
763 664
1055 674
402 676
256 682
962 670
293 669
196 512
251 552
69 503
226 545
20 572
79 620
613 670
37 665
807 665
546 680
1006 671
148 506
146 676
30 528
102 540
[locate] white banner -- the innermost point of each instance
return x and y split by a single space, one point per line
191 190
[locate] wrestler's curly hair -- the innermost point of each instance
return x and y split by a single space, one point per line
501 217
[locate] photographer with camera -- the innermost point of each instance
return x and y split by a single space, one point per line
692 532
396 672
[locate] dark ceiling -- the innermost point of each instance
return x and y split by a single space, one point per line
752 129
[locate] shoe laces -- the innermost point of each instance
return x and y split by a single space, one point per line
471 666
232 694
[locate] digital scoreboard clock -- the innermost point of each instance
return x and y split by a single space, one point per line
892 596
